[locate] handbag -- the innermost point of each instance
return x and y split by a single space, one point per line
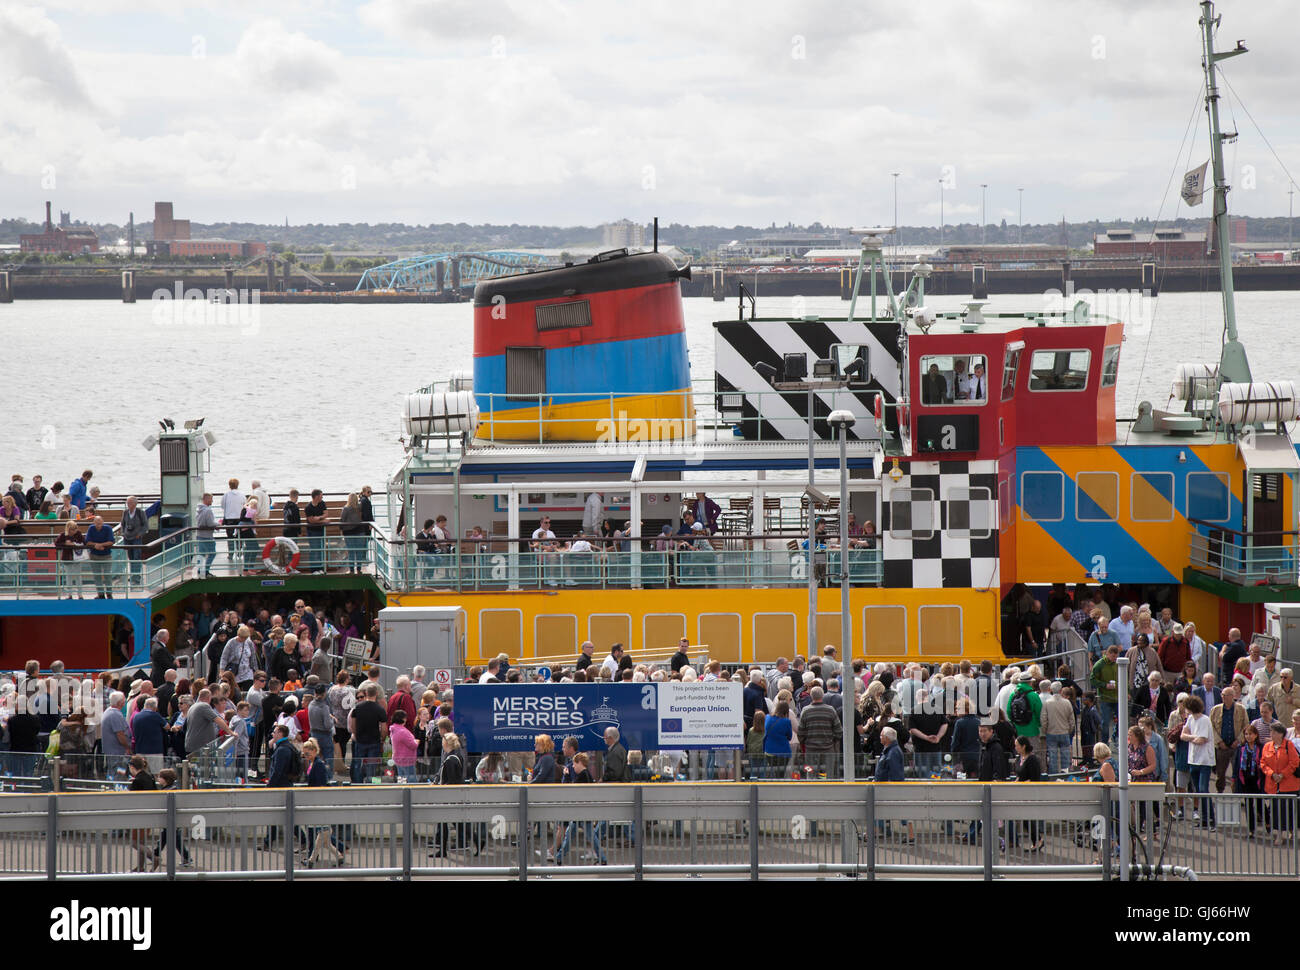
1175 733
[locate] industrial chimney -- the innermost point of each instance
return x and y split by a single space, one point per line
49 224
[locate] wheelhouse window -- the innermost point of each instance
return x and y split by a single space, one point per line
1059 370
1010 371
954 379
1110 366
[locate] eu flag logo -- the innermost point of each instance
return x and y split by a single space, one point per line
671 725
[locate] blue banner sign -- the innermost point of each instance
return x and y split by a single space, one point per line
509 717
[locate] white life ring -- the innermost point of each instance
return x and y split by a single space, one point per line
281 555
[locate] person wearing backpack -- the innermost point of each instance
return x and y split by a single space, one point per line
1025 708
286 763
285 768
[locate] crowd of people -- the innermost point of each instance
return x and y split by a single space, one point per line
272 682
86 542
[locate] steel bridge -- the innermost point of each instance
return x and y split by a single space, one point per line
439 272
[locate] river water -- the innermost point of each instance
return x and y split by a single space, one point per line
311 396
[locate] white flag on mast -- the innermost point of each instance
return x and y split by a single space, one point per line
1194 185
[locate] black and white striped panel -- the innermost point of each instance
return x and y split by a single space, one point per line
741 344
954 555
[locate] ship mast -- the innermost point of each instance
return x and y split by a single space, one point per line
1233 366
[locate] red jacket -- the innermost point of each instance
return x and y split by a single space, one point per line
1281 759
402 701
1174 654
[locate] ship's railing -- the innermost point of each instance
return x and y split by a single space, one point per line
32 567
1244 558
702 413
499 563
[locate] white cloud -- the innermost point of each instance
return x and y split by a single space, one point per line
737 112
35 65
285 61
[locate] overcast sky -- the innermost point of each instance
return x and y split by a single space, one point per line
543 111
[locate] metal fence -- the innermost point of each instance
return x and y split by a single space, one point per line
967 830
32 567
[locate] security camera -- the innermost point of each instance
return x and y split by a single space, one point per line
817 495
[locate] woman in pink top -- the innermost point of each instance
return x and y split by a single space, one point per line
305 647
404 745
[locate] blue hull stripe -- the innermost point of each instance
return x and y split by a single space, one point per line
651 365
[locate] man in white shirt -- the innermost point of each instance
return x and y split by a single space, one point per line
1199 735
977 385
232 503
593 513
611 662
543 547
263 502
960 380
580 566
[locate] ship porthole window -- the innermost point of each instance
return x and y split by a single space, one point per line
1042 496
970 513
911 513
1151 497
1208 496
1096 496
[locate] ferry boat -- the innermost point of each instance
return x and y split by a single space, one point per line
983 446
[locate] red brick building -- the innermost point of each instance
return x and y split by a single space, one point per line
56 239
207 247
1163 245
165 227
171 237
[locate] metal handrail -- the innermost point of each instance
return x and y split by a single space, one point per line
1220 527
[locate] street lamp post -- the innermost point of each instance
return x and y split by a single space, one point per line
1290 194
1122 762
812 529
984 222
940 213
842 421
897 231
828 379
1020 218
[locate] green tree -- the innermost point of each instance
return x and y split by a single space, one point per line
327 264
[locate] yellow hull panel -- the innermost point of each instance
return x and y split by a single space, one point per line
738 625
632 418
